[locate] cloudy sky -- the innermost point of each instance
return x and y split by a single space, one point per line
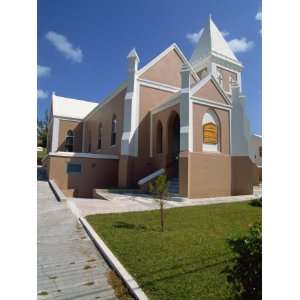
82 45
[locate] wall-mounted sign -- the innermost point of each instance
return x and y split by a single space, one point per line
210 133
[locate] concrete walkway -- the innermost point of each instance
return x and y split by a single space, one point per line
118 203
69 266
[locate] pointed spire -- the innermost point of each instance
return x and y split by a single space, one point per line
133 54
212 42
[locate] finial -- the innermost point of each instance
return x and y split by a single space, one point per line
133 54
209 16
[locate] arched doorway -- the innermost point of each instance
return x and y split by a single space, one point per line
173 143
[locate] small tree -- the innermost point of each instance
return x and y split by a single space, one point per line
42 131
160 190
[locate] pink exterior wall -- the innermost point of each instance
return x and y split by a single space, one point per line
105 115
210 92
224 118
95 173
64 127
167 70
226 78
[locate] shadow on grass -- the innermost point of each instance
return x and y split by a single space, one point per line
177 272
192 264
125 225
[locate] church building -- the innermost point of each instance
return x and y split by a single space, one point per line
185 118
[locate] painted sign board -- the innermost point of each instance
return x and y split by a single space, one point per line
210 133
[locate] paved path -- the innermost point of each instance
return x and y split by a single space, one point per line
69 266
118 203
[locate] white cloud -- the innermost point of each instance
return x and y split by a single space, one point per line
240 45
41 94
43 71
61 43
225 33
194 37
258 16
236 45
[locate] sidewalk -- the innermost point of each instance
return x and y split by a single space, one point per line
69 266
118 203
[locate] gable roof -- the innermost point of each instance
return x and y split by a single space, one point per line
204 81
164 53
212 42
71 108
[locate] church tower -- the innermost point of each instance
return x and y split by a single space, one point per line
213 55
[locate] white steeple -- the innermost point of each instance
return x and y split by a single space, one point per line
212 43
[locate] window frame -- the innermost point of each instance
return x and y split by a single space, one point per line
114 124
68 164
159 143
99 143
213 118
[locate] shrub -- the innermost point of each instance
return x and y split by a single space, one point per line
245 274
257 202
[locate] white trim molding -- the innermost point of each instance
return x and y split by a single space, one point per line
55 133
175 47
211 103
173 100
158 85
107 99
83 155
69 119
204 81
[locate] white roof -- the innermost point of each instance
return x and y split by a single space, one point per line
71 108
256 136
212 42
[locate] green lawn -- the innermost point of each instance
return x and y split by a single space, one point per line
184 262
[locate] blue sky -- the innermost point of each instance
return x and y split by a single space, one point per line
83 44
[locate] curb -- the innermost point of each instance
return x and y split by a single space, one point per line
56 190
129 281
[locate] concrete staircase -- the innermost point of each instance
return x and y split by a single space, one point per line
173 186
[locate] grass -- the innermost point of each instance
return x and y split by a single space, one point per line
89 283
43 293
187 260
121 291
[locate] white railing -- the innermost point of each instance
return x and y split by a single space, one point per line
83 155
151 176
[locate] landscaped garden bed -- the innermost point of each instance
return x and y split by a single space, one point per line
188 259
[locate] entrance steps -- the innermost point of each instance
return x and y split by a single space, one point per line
173 186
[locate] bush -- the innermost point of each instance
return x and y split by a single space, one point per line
256 202
245 275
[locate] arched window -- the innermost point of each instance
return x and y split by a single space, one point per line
100 136
114 130
260 151
89 141
220 78
159 138
69 141
211 132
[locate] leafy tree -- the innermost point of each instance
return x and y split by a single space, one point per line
42 131
245 275
160 190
